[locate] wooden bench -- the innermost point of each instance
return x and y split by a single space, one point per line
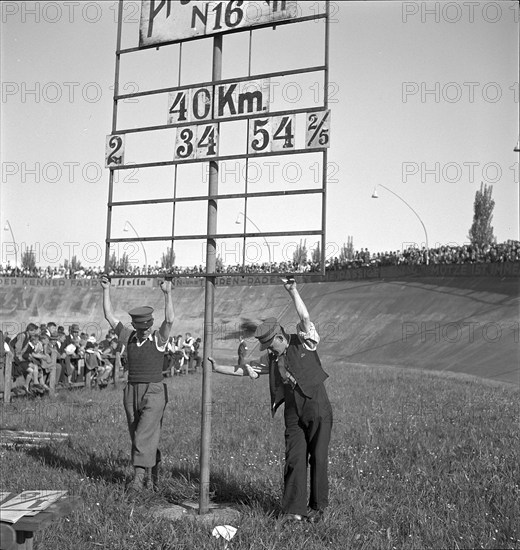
20 535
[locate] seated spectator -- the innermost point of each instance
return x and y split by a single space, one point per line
105 343
21 348
178 355
196 356
98 365
59 345
187 348
4 350
53 330
42 356
169 350
70 348
114 349
32 351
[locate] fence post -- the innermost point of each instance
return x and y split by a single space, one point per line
88 379
52 373
8 376
117 367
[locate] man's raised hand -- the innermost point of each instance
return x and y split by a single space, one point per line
105 281
166 286
289 283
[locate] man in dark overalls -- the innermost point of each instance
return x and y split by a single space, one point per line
296 377
145 395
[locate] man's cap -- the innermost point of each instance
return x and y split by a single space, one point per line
74 328
267 331
142 317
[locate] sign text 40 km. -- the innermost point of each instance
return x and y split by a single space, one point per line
220 101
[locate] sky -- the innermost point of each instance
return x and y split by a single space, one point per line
423 98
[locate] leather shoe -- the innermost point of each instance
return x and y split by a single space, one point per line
291 518
314 516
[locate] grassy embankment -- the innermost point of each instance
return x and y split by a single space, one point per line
417 460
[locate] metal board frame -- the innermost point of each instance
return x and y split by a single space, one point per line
212 197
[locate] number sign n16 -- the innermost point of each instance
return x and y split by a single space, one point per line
168 21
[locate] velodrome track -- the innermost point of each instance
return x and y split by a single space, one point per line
460 324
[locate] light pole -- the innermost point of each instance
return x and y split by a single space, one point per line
126 228
375 196
237 221
517 148
7 227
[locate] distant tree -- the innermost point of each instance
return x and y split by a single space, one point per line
316 254
347 250
112 262
219 264
300 254
75 264
124 263
481 231
28 259
168 259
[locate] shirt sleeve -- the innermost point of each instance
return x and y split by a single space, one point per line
123 333
157 340
309 339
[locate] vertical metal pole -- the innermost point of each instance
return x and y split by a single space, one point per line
114 128
325 155
172 258
244 242
205 440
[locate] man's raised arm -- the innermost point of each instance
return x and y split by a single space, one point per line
301 309
166 327
107 303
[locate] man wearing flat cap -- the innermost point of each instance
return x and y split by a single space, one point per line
296 377
145 395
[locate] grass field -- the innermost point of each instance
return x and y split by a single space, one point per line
417 460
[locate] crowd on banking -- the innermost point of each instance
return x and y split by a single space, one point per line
508 251
41 349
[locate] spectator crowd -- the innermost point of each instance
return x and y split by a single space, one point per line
45 348
41 349
508 251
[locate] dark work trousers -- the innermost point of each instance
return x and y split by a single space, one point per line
308 424
144 407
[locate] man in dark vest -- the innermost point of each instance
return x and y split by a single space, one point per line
296 377
145 395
